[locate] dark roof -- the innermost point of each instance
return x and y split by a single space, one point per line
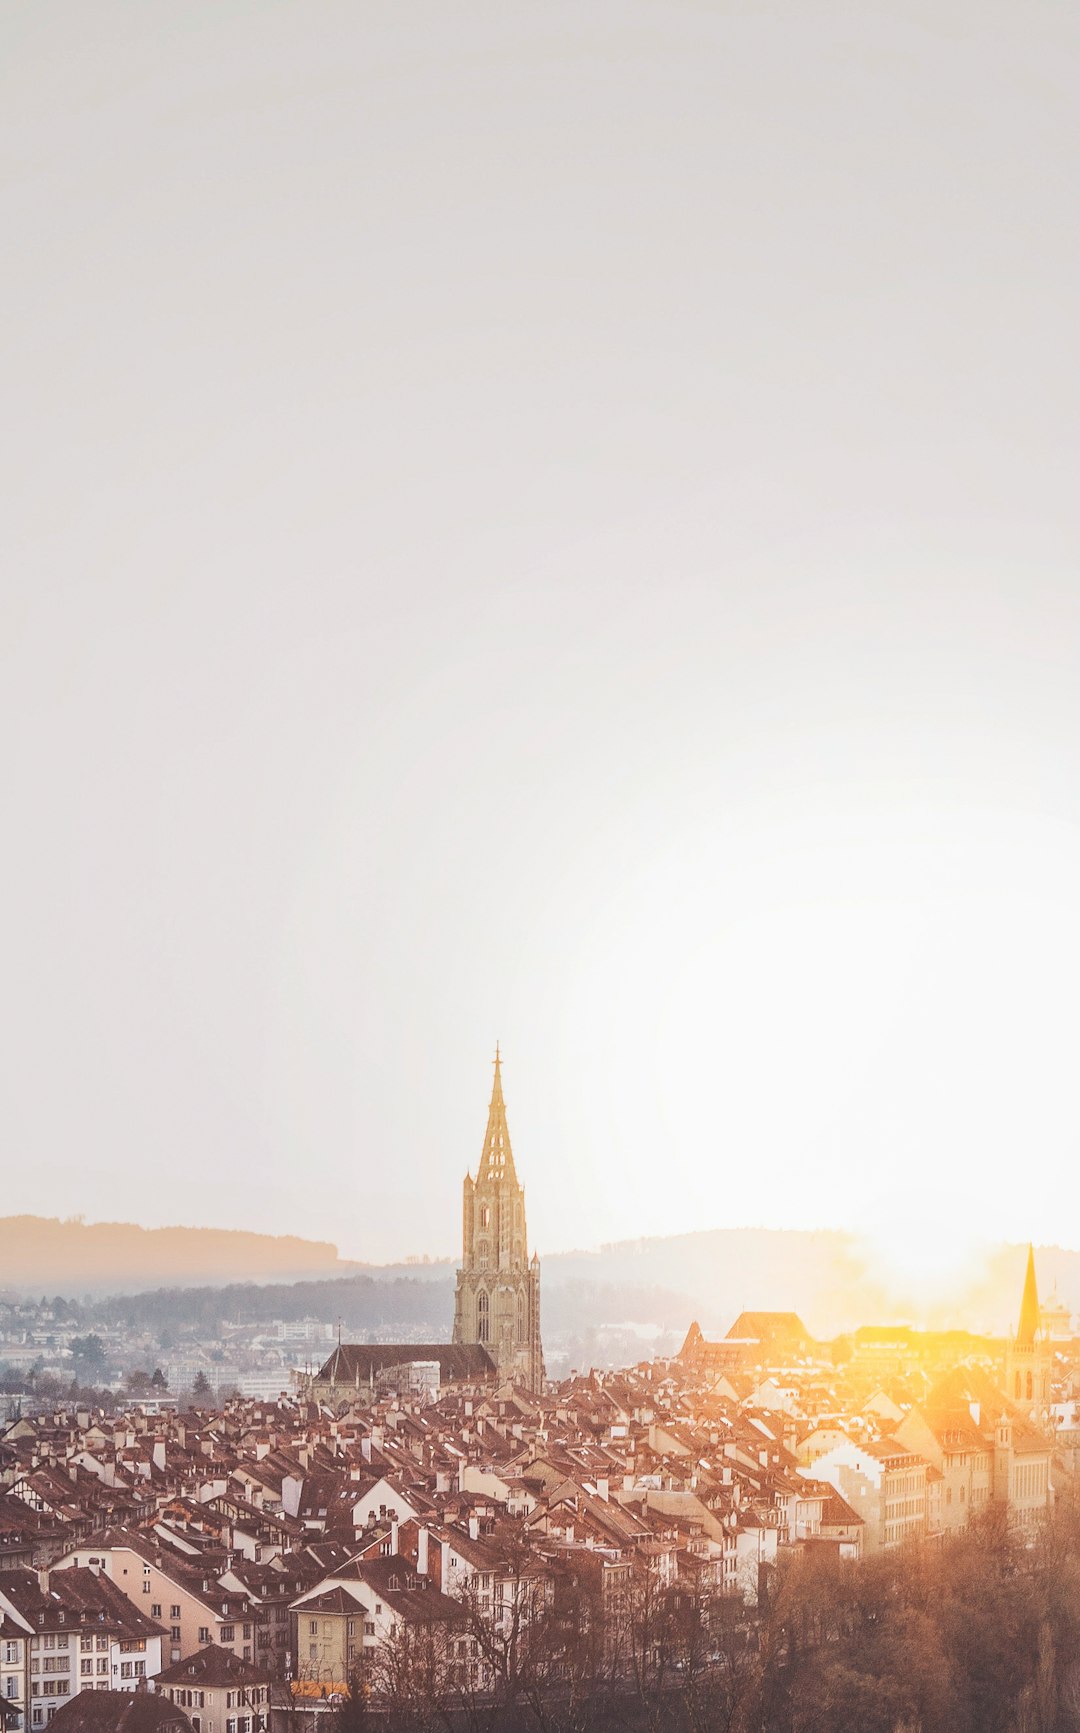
459 1363
120 1712
421 1603
335 1600
212 1665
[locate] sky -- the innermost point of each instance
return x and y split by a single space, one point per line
554 523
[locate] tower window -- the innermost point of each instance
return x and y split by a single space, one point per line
485 1216
483 1314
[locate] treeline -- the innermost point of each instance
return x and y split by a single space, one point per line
364 1303
980 1634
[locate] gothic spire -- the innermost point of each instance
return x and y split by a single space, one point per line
497 1160
1030 1320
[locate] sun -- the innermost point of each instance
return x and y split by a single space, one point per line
925 1265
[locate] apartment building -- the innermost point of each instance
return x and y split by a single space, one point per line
189 1602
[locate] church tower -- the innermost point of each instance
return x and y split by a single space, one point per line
1027 1357
497 1302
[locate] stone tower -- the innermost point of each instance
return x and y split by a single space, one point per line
1027 1357
497 1302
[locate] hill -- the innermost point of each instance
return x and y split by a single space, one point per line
644 1291
39 1253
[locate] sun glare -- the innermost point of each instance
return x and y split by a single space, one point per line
923 1266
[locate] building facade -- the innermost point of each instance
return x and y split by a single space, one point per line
497 1301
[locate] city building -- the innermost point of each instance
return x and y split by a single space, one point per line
497 1300
218 1691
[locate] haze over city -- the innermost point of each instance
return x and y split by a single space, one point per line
540 911
549 525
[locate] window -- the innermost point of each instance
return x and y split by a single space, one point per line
247 1630
155 1609
146 1585
228 1632
103 1664
313 1651
174 1633
86 1643
174 1610
313 1628
204 1633
86 1667
369 1627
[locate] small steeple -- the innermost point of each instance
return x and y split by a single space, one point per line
497 1159
1030 1318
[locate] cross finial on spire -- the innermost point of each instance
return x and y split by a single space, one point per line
496 1156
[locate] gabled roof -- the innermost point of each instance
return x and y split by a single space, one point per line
212 1666
119 1712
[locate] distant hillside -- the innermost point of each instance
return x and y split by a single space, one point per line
602 1302
43 1254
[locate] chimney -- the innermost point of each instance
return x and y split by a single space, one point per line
422 1551
975 1410
603 1489
474 1526
393 1537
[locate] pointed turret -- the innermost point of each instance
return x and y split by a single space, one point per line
1030 1319
497 1158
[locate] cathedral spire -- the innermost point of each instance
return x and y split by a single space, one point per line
497 1159
1030 1319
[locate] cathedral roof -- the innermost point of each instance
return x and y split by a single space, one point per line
462 1362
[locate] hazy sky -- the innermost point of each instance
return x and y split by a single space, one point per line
545 521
